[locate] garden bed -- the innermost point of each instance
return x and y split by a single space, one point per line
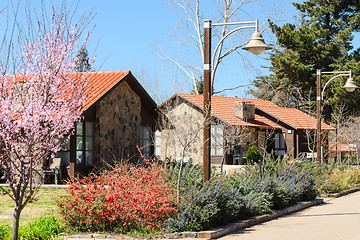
257 194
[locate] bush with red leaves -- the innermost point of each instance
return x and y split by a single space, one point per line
127 198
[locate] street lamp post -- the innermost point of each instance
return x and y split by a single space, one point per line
256 45
349 86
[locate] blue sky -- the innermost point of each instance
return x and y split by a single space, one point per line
130 31
127 35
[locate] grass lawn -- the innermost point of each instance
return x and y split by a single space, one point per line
46 204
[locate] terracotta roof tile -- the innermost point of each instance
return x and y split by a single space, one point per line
101 83
295 117
341 148
223 107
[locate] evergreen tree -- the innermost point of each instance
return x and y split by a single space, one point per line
82 62
199 87
322 41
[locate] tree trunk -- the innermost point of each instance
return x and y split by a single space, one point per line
16 219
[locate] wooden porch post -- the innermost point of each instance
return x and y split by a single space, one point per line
72 156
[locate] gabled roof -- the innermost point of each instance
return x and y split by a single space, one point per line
102 83
223 109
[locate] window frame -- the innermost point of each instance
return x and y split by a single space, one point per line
217 140
146 141
157 150
280 144
88 147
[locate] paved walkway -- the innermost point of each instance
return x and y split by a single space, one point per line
335 220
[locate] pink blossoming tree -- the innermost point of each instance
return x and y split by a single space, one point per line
40 100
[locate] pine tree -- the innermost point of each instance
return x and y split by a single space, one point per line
322 41
82 62
199 87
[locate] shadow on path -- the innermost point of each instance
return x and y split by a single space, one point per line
327 214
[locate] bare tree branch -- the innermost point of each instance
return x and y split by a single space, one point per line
229 89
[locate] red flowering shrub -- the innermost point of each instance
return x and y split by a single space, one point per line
123 199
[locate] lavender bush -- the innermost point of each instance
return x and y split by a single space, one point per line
217 202
228 198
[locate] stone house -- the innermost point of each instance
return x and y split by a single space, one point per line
236 124
119 114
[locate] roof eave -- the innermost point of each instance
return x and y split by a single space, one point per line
276 117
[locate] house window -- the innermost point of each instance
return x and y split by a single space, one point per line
146 141
85 138
280 144
157 143
217 140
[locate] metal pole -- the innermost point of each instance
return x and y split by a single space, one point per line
318 115
207 99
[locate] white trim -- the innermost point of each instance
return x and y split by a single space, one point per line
207 24
207 66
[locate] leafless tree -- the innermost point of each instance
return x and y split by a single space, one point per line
264 142
339 114
181 128
236 139
349 133
310 131
191 22
151 83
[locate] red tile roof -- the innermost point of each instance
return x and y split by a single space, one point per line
341 148
223 108
294 117
101 83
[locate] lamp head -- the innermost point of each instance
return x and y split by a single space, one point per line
350 85
256 44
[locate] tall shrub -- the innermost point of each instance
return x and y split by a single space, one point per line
124 199
252 154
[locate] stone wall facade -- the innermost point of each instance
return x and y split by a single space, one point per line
118 124
185 125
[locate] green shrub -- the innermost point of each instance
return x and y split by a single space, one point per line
332 178
5 232
337 179
45 227
252 154
354 176
191 175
